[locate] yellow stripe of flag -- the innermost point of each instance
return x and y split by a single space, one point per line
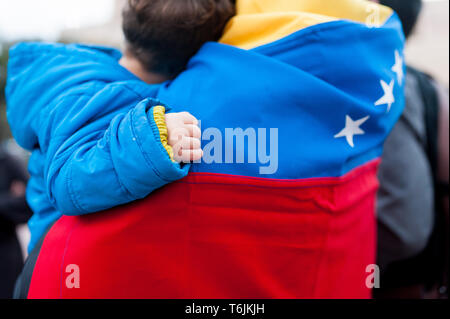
260 22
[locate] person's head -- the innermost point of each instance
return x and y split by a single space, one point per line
408 11
164 34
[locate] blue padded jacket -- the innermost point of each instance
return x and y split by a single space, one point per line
89 125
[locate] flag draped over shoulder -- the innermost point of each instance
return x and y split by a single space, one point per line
324 81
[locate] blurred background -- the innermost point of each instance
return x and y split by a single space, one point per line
99 22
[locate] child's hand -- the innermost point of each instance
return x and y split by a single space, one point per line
184 137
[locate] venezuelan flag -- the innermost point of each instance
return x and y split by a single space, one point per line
324 80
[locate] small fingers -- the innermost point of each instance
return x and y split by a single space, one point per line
190 143
188 156
188 150
190 130
188 118
194 131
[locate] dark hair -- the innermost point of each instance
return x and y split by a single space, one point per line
164 34
408 11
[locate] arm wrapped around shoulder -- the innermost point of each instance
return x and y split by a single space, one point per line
94 170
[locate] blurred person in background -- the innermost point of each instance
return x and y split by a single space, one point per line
413 198
13 211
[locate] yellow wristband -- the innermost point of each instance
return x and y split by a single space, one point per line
160 120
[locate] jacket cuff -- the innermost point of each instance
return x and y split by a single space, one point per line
158 114
154 143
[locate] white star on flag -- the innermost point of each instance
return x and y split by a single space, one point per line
351 129
398 67
388 97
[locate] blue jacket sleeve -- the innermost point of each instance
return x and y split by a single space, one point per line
100 166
